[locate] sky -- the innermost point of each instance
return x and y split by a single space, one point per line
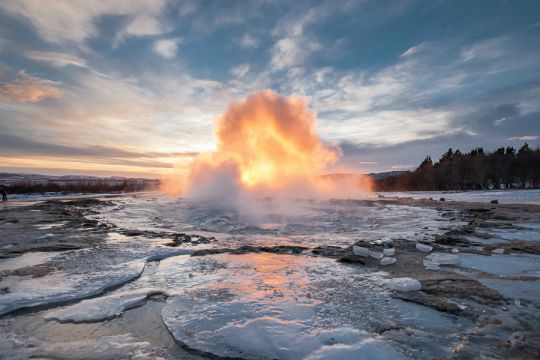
133 87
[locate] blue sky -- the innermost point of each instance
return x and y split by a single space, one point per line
133 87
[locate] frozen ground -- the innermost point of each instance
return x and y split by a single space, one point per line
149 276
530 196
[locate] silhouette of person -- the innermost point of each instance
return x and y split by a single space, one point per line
4 195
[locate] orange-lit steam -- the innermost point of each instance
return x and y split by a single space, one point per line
267 144
273 140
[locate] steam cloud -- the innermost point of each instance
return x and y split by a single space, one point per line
267 145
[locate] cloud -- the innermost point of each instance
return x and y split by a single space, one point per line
56 58
166 47
75 20
20 146
486 50
248 41
294 46
28 88
499 121
413 50
240 70
524 138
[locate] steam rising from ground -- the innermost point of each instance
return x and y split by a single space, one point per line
267 145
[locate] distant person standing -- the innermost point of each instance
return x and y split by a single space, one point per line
4 195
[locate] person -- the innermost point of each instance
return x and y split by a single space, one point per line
4 195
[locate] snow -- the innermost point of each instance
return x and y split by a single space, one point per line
528 196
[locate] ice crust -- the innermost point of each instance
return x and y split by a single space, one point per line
286 307
107 347
102 308
60 286
515 264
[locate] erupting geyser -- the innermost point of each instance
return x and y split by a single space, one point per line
267 144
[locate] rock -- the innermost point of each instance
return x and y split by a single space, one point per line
352 258
389 252
435 302
387 261
523 246
424 248
361 251
494 201
498 251
404 284
442 199
455 250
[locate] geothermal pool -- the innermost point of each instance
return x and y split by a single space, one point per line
260 279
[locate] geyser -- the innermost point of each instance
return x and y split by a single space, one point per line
268 144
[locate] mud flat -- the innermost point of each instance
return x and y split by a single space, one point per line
157 277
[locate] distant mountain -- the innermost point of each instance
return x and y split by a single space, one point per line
36 183
382 175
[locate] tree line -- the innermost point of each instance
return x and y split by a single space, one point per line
504 168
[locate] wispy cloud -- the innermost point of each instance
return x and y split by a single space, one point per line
75 20
28 88
240 70
56 58
524 138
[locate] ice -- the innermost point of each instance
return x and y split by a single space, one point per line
404 284
513 289
527 196
367 349
376 255
387 261
443 259
498 251
283 306
26 260
361 251
102 308
51 226
522 264
424 248
59 287
106 347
